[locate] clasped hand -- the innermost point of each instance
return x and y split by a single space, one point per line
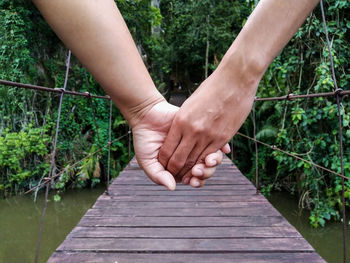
187 144
149 136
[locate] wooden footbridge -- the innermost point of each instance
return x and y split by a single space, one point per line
223 222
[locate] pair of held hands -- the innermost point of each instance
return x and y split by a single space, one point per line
186 144
173 144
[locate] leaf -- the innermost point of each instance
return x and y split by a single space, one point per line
56 198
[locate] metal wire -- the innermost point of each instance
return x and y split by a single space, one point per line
338 96
232 157
129 144
305 96
256 153
53 156
109 146
273 147
93 112
55 90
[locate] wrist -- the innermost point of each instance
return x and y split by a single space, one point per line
239 73
137 112
244 64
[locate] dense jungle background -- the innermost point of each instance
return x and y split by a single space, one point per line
181 42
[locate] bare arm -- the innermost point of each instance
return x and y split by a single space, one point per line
268 29
97 34
218 108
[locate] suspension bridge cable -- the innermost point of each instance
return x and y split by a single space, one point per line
338 97
53 156
273 147
47 89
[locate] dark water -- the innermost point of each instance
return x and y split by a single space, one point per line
327 241
20 217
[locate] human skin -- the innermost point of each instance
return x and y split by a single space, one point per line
225 98
98 36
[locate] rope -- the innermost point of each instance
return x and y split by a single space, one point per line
53 156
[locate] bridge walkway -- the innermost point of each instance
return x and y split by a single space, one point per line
223 222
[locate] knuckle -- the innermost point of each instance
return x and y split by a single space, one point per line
198 129
181 120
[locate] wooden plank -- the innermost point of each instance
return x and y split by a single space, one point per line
241 245
184 232
180 187
92 257
188 193
238 181
115 204
183 212
120 221
228 198
220 174
133 180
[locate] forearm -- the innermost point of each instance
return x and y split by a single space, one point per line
97 34
268 29
225 98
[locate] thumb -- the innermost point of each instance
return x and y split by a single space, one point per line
156 172
165 178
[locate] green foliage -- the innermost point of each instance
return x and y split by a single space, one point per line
22 157
186 29
31 53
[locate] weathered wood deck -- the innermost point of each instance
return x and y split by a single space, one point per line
223 222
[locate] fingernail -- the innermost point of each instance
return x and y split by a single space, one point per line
195 184
213 162
198 172
186 180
